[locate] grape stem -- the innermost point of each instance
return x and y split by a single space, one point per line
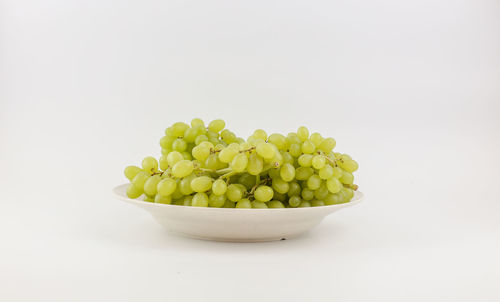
229 174
352 186
247 150
225 170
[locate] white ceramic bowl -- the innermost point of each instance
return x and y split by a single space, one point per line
236 225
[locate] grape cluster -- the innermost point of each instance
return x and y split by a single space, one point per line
209 166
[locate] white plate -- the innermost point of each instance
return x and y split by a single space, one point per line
236 225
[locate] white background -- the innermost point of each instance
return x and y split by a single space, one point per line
411 89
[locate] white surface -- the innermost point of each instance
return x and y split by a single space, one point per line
236 225
409 89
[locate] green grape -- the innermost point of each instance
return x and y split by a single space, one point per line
344 157
149 198
278 140
213 140
294 189
187 201
294 201
287 158
216 125
349 193
211 162
333 185
178 202
228 136
321 192
293 138
163 162
226 155
239 163
259 133
166 187
190 135
200 200
254 141
295 150
229 204
274 173
186 155
307 194
331 199
201 152
308 147
337 172
287 172
133 191
163 199
316 138
219 187
314 182
318 162
131 171
197 122
200 130
169 132
258 205
234 192
177 193
179 128
166 142
140 179
201 183
305 204
150 164
212 135
174 157
179 145
349 165
182 168
303 173
317 203
305 160
165 151
265 150
263 193
200 138
346 178
245 146
244 204
185 185
279 196
275 204
326 172
303 133
247 180
151 184
280 186
327 145
216 201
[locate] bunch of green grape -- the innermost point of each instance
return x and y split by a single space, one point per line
209 166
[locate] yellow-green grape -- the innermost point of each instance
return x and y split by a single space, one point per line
201 152
318 162
263 193
279 196
229 204
140 179
307 194
278 140
244 204
165 151
200 139
276 161
149 198
326 172
133 191
247 180
151 184
280 186
344 157
166 187
303 173
305 160
201 184
216 201
179 128
316 138
190 135
274 173
187 201
349 193
177 193
186 155
331 199
254 141
200 200
294 201
287 172
293 189
150 164
295 150
163 162
219 187
308 147
178 202
228 136
321 192
174 157
211 134
303 133
265 150
185 185
239 163
163 199
333 185
258 205
317 203
166 142
287 157
216 125
131 171
346 178
304 204
293 138
179 145
234 192
327 145
275 204
212 162
182 168
226 155
337 172
197 122
259 133
349 165
200 130
314 182
169 132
